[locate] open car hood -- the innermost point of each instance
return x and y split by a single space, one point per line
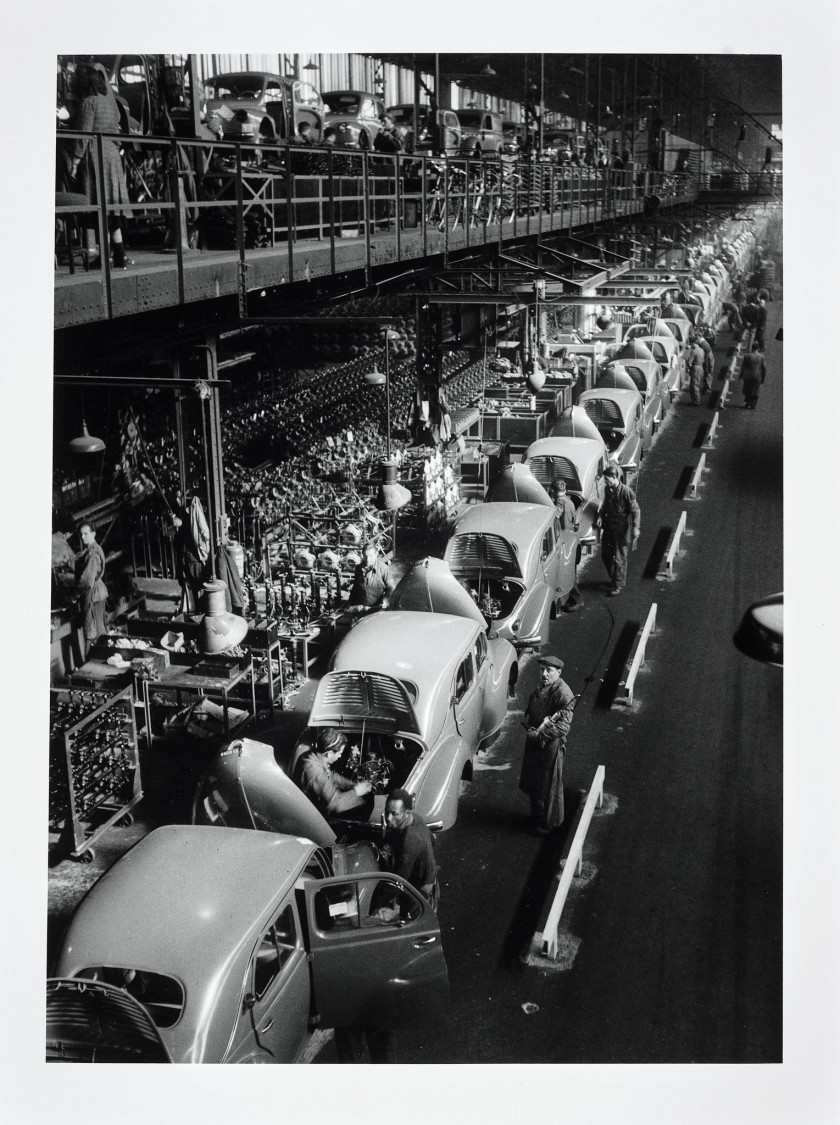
518 484
430 586
245 788
354 697
88 1021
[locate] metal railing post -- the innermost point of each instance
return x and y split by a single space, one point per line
104 235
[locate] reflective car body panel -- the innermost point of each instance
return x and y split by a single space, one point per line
222 915
620 417
580 462
518 561
455 683
355 116
257 105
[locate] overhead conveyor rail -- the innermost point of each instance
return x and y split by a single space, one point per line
212 220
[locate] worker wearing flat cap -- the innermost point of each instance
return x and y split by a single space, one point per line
548 718
333 794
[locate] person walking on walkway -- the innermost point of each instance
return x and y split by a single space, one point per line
619 518
695 365
548 719
753 374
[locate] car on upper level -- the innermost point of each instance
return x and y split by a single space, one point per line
514 558
577 454
355 115
260 107
239 944
619 414
481 132
423 142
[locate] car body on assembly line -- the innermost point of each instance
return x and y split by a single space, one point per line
260 107
481 132
664 350
416 693
424 141
646 376
355 115
577 454
239 944
515 560
619 414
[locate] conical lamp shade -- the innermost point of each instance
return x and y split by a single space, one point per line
391 495
86 443
374 378
536 379
219 630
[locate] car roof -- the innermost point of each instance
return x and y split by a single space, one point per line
189 902
248 74
422 648
520 524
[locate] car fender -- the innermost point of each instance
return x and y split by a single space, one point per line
437 789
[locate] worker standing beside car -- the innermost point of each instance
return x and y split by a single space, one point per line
410 843
568 522
619 518
548 719
372 582
696 368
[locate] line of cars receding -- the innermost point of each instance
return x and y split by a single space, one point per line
236 944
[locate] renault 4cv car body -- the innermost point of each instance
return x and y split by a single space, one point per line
238 944
423 142
481 132
513 557
618 412
88 1021
577 454
416 692
355 115
646 376
662 351
258 107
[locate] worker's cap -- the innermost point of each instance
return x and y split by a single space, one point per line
550 661
612 471
330 740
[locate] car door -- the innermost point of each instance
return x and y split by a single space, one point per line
451 132
467 704
131 75
566 555
375 951
273 1025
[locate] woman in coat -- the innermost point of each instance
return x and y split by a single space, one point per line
99 113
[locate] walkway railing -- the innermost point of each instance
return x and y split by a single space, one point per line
189 197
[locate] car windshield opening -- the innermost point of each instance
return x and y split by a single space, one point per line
341 103
235 86
470 120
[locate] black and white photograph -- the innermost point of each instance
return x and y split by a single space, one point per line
423 488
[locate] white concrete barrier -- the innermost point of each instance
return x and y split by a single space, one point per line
673 550
574 864
697 477
713 429
725 392
638 658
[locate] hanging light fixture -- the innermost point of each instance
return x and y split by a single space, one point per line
311 66
375 378
86 443
219 630
391 495
487 71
